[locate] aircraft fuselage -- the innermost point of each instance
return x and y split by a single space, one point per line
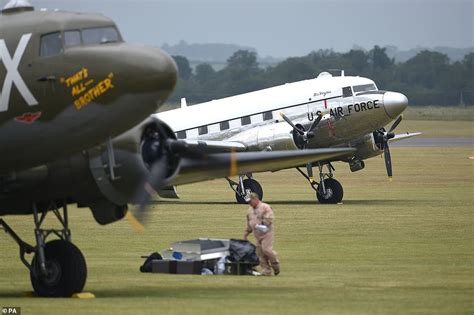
351 107
68 81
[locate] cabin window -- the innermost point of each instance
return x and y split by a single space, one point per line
181 134
267 116
365 87
72 38
100 35
51 45
202 130
224 125
346 91
245 120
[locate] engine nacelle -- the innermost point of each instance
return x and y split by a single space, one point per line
105 178
278 136
366 147
134 153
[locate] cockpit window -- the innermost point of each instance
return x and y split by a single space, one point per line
365 87
51 44
72 38
346 91
100 35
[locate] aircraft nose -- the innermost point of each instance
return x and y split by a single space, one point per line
159 69
394 103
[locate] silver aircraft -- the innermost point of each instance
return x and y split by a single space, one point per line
325 112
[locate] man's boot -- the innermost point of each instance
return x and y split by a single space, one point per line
276 268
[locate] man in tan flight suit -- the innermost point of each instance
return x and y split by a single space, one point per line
260 222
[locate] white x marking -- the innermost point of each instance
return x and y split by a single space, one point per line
13 76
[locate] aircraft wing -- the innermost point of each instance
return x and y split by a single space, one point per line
207 146
403 136
220 165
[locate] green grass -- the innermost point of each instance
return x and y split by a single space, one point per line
391 248
443 113
435 121
438 128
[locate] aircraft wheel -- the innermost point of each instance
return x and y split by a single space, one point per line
254 186
67 270
334 192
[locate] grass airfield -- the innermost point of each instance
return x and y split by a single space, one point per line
398 247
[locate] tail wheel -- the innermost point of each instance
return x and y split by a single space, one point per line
67 270
334 192
254 186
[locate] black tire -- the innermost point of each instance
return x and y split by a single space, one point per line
68 270
254 186
334 192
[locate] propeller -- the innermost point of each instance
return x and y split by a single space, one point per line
302 136
156 178
156 157
383 139
160 154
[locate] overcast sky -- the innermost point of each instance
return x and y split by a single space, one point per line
283 28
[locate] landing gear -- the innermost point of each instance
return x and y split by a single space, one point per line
58 268
245 187
332 193
328 190
66 270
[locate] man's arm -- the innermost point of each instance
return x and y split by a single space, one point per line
268 216
248 230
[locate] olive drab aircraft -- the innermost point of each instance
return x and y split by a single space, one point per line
76 127
65 84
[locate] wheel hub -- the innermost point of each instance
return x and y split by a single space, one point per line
54 273
328 193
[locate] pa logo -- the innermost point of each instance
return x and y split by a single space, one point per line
11 310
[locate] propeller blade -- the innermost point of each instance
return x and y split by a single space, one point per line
137 226
301 132
388 160
395 124
156 178
316 122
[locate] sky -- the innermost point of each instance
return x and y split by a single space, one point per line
282 28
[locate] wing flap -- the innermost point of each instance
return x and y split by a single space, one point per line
207 146
220 165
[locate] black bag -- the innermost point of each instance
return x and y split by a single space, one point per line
242 251
146 267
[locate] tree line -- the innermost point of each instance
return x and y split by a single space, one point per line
429 78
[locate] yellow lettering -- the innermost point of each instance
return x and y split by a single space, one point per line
91 94
78 89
